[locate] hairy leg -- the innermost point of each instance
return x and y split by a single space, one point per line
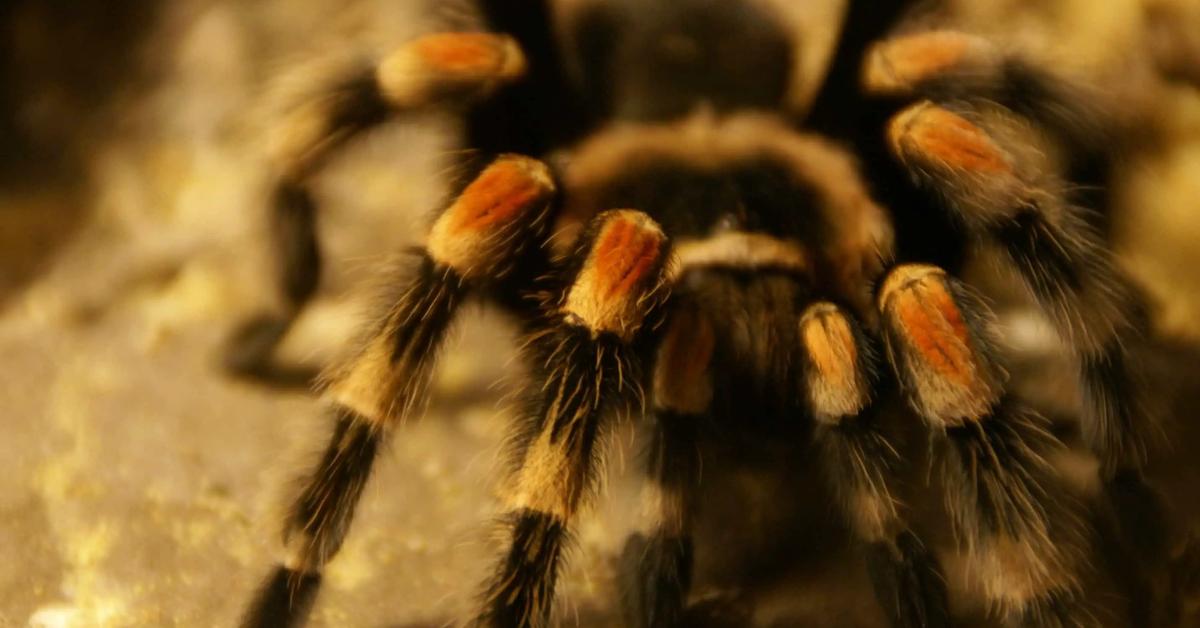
476 240
586 368
657 565
444 70
841 375
1023 538
1000 190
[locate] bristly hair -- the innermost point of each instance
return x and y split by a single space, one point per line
321 514
523 595
907 583
568 413
282 598
656 574
1023 534
558 357
404 340
859 460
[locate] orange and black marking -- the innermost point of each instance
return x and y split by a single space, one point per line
493 217
583 377
932 136
1004 502
1007 502
656 566
933 326
940 359
621 276
860 463
837 386
899 66
464 54
448 65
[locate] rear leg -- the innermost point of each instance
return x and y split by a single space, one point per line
442 70
475 241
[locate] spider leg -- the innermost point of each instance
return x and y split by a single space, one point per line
657 566
948 65
841 372
475 240
445 70
1061 260
1064 265
588 368
975 163
1023 541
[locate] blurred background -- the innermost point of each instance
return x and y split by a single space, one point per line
138 482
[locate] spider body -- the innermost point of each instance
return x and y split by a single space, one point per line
704 256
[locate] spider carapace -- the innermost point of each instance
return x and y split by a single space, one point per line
691 235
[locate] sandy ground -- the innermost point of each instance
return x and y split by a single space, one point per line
139 485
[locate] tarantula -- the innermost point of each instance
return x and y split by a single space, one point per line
684 236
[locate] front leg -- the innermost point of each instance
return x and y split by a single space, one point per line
585 367
476 240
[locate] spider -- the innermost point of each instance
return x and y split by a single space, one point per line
687 237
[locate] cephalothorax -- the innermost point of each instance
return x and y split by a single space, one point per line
686 234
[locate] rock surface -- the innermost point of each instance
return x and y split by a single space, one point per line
139 484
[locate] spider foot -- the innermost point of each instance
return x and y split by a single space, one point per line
249 353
